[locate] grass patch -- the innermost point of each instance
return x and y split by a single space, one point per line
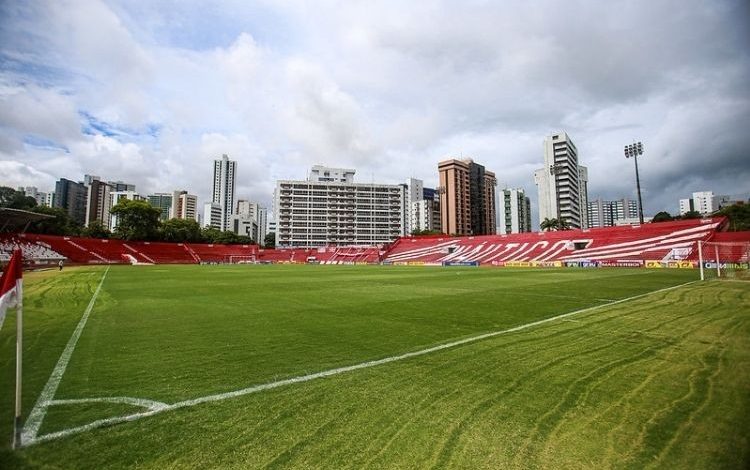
661 380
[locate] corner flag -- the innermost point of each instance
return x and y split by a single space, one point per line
11 295
10 285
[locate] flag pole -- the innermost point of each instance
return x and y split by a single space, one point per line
17 425
18 274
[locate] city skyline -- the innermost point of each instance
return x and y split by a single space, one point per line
152 93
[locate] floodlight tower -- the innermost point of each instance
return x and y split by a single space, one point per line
633 150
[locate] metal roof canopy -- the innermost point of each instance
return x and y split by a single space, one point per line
11 219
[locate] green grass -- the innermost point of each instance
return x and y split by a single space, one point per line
662 380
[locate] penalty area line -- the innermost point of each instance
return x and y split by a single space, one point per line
36 417
327 373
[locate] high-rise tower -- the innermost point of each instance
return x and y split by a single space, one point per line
225 176
562 183
467 199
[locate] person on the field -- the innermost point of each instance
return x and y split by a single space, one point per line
60 264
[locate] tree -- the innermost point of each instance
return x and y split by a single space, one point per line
61 224
270 240
136 220
691 215
96 229
563 224
662 216
13 199
738 215
210 234
230 238
181 230
549 224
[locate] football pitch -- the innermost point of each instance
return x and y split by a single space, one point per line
379 367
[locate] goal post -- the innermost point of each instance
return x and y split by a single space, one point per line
724 260
241 259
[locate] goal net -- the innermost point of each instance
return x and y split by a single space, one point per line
240 259
724 260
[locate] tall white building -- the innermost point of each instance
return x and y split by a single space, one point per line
414 194
318 213
703 202
562 183
513 211
425 215
225 176
610 213
212 215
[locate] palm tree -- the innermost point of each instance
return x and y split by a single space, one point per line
563 224
549 224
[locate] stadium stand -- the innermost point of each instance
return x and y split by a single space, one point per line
628 245
33 253
644 242
215 253
164 253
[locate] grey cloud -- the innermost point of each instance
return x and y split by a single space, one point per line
391 88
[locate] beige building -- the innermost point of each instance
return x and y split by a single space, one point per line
184 205
467 198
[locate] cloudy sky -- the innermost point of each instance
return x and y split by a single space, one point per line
150 92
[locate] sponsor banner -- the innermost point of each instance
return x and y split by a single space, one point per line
517 264
581 264
712 265
671 264
415 263
460 263
387 263
546 264
634 263
680 264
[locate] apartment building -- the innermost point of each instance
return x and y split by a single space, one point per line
319 213
467 198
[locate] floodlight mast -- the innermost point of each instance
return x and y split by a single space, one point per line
633 150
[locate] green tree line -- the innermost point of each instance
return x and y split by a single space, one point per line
136 220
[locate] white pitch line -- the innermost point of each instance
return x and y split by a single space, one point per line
327 373
36 417
142 402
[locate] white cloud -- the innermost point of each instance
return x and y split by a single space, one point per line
387 88
39 112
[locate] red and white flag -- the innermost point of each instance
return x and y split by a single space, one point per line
10 284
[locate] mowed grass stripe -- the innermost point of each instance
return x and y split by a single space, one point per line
261 329
292 381
476 405
338 422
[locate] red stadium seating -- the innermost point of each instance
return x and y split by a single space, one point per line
649 242
645 242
